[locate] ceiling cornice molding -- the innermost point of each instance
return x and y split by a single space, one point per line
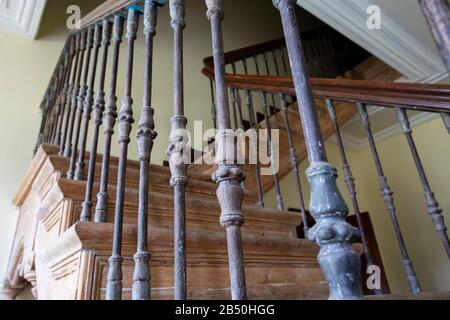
392 43
22 16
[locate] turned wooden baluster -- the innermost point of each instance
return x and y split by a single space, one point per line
79 43
109 120
76 93
50 103
237 97
83 93
54 100
52 111
271 149
146 135
57 97
99 108
114 280
437 14
178 152
229 175
62 90
47 112
432 204
253 123
389 201
43 123
65 93
87 104
350 183
294 163
54 96
339 262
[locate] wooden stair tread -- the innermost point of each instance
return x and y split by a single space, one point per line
201 209
274 268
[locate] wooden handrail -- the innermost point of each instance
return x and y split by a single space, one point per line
107 8
413 96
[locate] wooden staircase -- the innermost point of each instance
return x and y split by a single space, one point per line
63 258
66 259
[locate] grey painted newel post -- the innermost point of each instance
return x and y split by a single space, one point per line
177 152
339 263
229 175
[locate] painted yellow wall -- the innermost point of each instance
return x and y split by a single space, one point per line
425 248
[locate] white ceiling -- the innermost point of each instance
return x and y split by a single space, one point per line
22 16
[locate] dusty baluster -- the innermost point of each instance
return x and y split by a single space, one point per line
87 104
177 152
65 144
350 183
65 93
109 120
388 197
294 163
229 175
253 123
146 135
114 278
78 116
432 204
99 108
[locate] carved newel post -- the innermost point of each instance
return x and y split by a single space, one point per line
229 175
339 262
